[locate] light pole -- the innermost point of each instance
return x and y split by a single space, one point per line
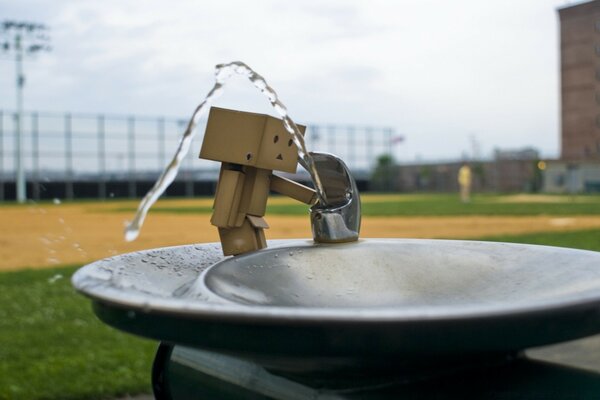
20 168
24 39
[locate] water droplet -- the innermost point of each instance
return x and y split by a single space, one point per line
131 234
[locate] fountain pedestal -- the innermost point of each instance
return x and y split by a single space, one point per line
183 373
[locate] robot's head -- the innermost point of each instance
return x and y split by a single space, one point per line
256 140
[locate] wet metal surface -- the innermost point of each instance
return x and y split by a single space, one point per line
339 219
371 301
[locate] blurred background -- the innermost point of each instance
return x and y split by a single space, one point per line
94 98
104 90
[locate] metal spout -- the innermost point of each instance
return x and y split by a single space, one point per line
338 220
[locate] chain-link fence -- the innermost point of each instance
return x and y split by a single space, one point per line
97 155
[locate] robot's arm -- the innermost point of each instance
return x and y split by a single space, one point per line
293 189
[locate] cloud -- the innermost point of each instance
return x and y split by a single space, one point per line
433 69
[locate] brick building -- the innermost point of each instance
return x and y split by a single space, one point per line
578 169
580 81
509 171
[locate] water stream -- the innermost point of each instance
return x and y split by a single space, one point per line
222 74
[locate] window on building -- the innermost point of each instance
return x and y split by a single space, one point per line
597 25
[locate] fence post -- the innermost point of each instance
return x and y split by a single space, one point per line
1 155
187 174
388 140
352 147
331 139
68 157
160 128
131 155
370 158
101 157
35 156
314 135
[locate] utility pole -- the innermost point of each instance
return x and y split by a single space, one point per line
22 39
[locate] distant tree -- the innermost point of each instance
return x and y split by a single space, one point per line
537 177
385 173
479 173
424 177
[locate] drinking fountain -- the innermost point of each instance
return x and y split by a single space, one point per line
340 317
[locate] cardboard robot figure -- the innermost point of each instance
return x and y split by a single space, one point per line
250 147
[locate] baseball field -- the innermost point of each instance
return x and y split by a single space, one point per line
48 234
52 346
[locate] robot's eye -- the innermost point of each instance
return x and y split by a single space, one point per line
276 139
249 156
290 142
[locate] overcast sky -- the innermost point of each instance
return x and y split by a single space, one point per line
440 72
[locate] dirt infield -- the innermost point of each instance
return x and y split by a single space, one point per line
48 235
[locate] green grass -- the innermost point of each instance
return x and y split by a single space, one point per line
443 205
588 239
424 205
53 347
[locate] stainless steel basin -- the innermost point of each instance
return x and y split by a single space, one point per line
406 277
373 303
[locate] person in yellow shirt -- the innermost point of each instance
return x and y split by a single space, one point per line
464 182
